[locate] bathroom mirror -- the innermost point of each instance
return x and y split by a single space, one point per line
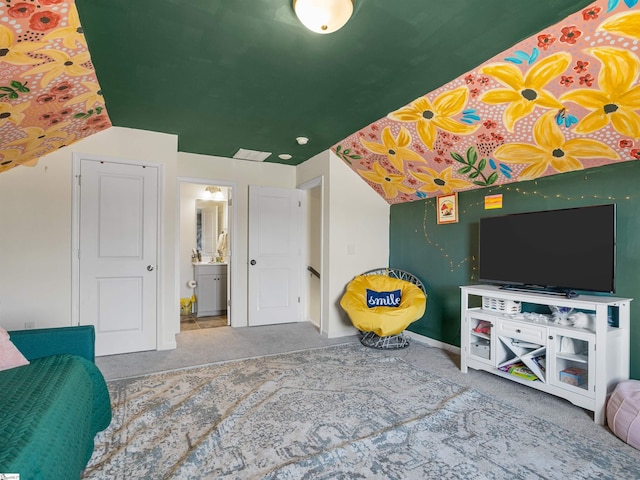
211 220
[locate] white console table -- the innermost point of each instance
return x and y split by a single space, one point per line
581 365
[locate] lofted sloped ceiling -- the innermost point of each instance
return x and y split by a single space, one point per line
225 75
565 99
49 93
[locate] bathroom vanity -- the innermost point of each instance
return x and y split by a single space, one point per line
211 289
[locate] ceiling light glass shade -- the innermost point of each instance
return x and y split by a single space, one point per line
215 193
323 16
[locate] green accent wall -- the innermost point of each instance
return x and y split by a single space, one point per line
444 257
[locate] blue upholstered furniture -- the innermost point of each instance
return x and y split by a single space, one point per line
51 409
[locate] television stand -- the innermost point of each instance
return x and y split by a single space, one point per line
563 292
500 334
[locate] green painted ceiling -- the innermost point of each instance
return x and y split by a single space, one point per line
230 74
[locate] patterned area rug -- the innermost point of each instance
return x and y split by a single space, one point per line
332 413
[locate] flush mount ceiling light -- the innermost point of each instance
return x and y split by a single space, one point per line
302 140
323 16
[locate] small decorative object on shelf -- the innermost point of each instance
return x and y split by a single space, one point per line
561 314
583 320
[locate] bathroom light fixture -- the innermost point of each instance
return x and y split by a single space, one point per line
302 140
215 193
323 16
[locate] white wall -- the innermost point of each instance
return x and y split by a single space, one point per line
241 173
35 227
314 254
187 241
35 230
355 235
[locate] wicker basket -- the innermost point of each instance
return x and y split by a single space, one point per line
500 305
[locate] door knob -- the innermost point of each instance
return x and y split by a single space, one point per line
252 262
150 268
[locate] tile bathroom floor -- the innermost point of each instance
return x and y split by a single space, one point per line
188 322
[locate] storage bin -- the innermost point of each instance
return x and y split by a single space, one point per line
574 376
481 348
500 305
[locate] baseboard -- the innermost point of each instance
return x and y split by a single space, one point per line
343 332
167 345
432 342
313 322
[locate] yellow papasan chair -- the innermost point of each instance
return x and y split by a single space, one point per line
382 303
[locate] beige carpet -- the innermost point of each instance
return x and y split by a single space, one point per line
338 412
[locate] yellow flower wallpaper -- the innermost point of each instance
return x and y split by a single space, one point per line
565 99
49 93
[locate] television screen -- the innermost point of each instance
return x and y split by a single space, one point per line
568 249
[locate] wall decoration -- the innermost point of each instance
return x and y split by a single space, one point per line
49 93
563 100
493 201
447 208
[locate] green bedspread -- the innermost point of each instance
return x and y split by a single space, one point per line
50 412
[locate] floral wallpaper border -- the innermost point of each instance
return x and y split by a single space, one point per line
563 100
49 92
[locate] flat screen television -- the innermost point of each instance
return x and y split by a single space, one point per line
554 250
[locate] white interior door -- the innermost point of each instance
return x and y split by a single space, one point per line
118 254
275 268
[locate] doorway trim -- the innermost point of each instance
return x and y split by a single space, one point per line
308 185
232 295
75 235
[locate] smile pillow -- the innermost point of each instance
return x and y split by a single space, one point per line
383 299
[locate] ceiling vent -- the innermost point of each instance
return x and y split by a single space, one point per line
252 155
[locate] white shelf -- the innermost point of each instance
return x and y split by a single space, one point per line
520 338
481 335
579 358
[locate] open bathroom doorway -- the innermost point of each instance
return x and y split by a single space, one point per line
205 255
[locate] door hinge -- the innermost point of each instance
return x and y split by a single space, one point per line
79 179
230 202
299 203
298 299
